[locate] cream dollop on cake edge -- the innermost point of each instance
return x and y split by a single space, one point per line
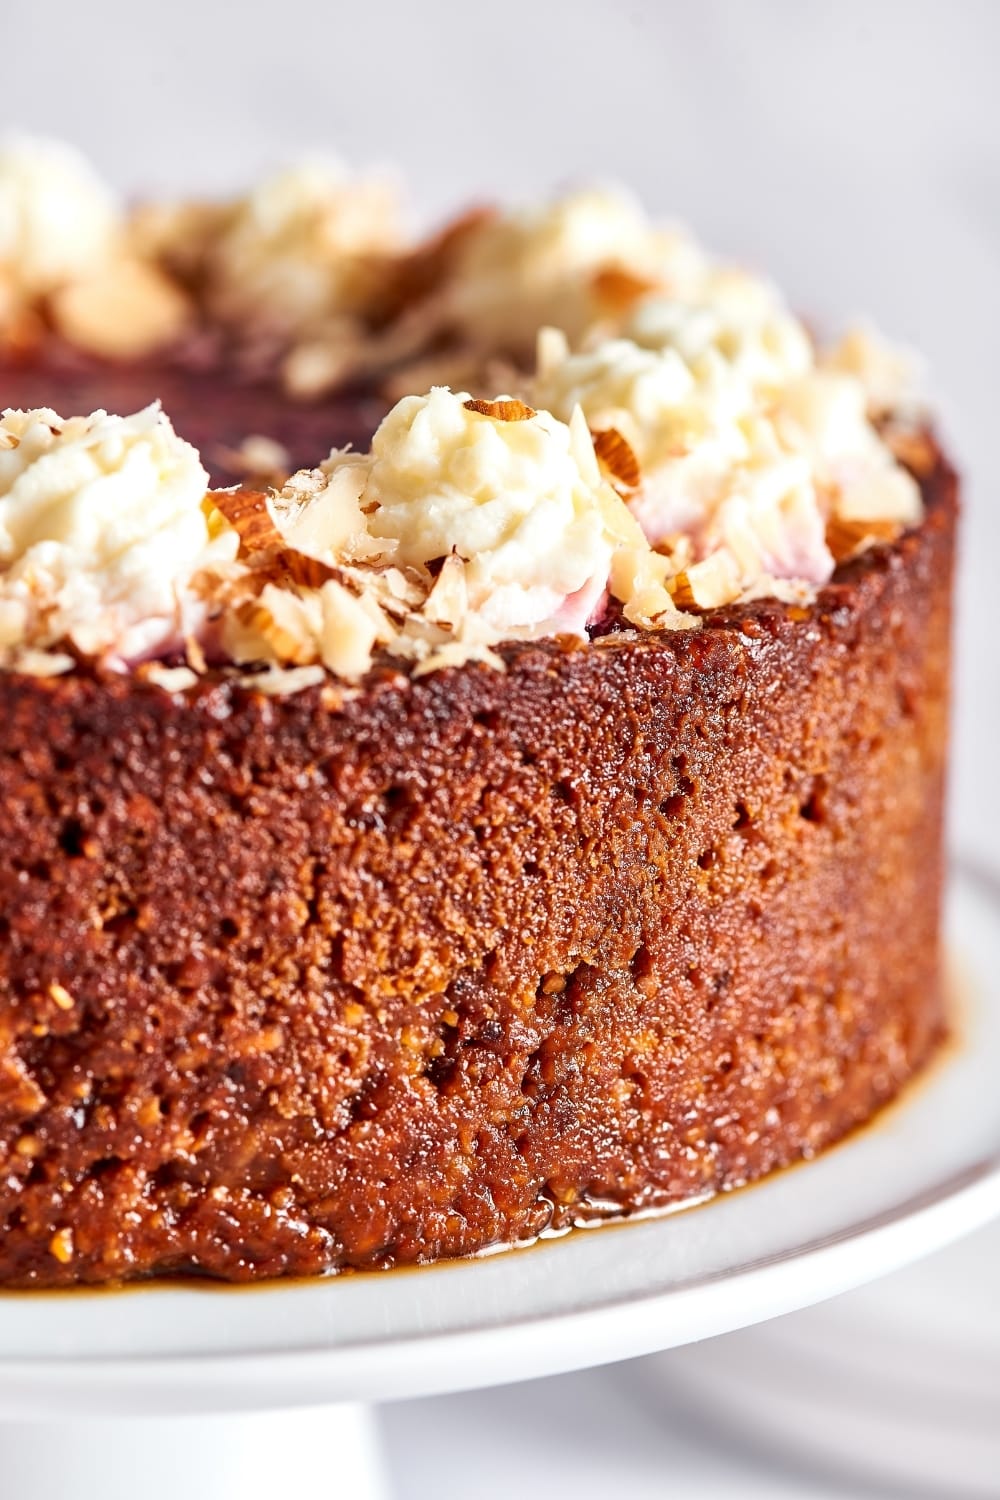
58 220
685 444
467 524
102 525
304 248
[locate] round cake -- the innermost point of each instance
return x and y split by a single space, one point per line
530 815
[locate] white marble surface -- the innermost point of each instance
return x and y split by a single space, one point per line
854 149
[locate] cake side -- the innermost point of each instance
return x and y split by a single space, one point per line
294 984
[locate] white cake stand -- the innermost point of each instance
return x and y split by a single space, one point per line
216 1360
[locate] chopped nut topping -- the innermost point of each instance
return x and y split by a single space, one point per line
847 538
504 410
618 289
124 311
247 512
728 459
615 455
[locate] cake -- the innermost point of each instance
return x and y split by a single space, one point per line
528 816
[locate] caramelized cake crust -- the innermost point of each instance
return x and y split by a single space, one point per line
295 984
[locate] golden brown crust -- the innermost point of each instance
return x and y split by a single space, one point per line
287 985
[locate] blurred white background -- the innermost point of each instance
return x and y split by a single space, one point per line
853 149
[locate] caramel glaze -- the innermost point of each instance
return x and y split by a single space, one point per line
361 981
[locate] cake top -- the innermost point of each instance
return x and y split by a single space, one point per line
671 439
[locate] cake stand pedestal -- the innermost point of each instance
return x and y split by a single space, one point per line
257 1391
327 1453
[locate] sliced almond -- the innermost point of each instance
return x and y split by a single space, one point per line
286 567
247 512
912 447
305 571
419 274
618 457
170 679
681 591
195 655
617 289
846 538
448 601
286 646
708 584
349 633
282 682
507 410
124 311
257 457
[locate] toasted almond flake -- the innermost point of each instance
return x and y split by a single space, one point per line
195 655
846 538
170 679
61 995
349 631
247 512
551 350
305 571
61 1246
640 579
257 456
507 410
281 682
316 366
34 663
127 309
616 289
681 591
288 567
415 276
448 601
457 654
707 584
617 456
285 643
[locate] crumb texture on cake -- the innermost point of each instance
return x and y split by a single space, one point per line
287 987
